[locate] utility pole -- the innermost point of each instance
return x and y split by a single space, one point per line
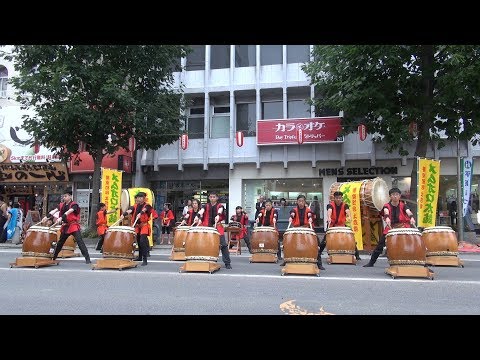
459 196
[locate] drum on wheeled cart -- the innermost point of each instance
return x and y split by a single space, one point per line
300 249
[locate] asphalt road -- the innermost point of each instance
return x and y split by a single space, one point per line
72 288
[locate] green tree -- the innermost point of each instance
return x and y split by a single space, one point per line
100 95
388 87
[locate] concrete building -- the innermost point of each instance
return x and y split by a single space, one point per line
249 88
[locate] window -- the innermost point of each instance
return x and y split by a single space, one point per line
247 119
298 109
245 55
195 123
272 110
298 53
271 54
3 81
219 56
196 59
220 124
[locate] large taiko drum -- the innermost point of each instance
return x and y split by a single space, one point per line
440 241
340 240
300 245
373 193
119 242
179 238
39 241
405 246
264 239
202 244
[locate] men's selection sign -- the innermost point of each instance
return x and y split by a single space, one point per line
428 183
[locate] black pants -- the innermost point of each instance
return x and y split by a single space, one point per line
224 249
378 249
100 242
143 246
78 239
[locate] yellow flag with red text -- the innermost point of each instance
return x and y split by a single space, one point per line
351 196
428 185
111 192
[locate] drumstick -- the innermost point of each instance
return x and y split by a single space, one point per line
116 222
135 221
38 223
290 223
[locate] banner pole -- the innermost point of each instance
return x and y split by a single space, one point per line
459 195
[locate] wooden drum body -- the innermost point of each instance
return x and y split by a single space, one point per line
406 253
341 245
264 244
405 247
178 250
202 245
300 247
373 193
40 241
441 246
119 242
38 248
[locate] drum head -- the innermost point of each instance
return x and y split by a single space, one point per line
379 193
124 200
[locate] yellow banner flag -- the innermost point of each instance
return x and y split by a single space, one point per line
428 185
111 192
351 197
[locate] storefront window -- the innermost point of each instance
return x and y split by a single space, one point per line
288 189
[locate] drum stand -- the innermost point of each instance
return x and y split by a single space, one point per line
341 259
177 254
301 268
114 263
264 257
199 266
32 261
444 260
409 271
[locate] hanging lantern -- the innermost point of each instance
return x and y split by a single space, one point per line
300 136
82 146
184 141
132 144
362 132
36 147
239 138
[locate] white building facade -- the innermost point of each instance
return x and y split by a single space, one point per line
228 89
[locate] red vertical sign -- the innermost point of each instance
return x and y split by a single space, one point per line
362 132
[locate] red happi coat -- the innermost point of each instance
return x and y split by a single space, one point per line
338 219
102 225
243 220
141 226
402 215
263 217
73 218
296 219
206 216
